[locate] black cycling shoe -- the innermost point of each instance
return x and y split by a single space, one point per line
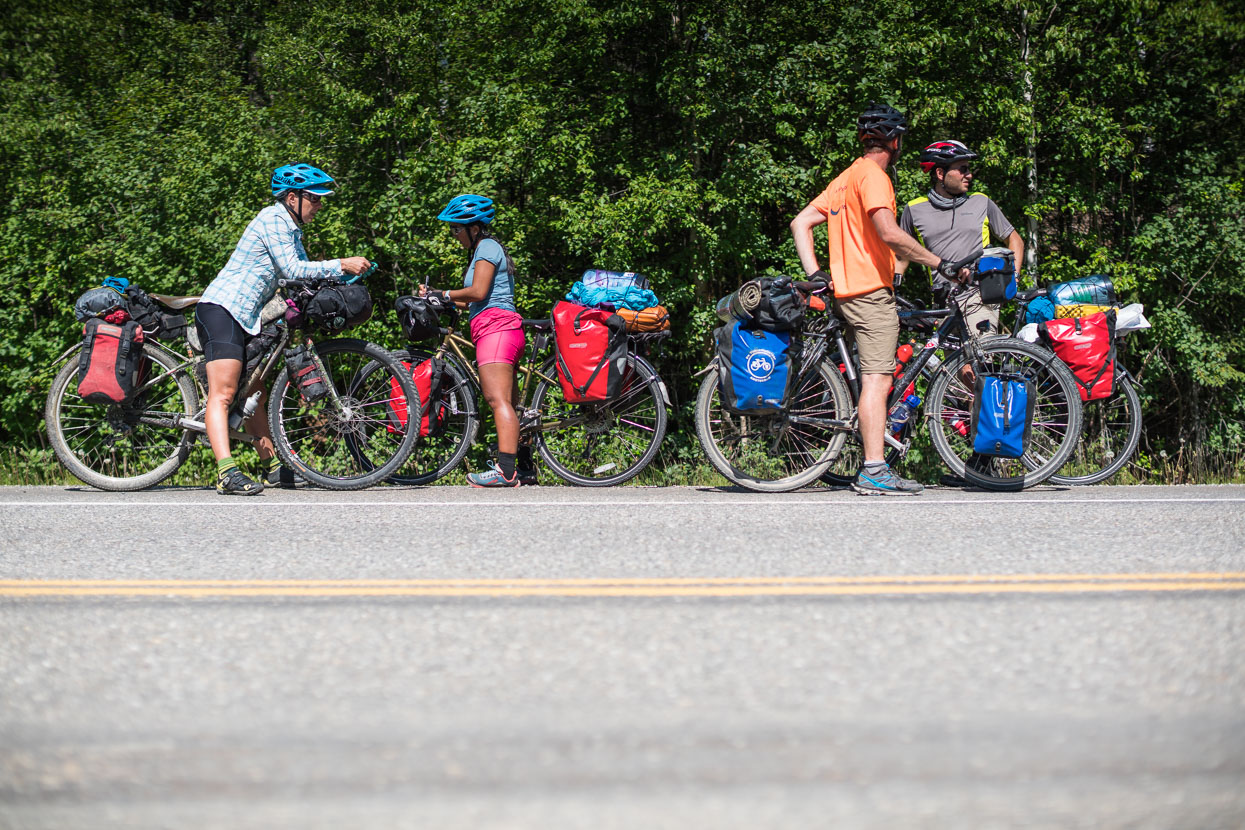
236 483
283 477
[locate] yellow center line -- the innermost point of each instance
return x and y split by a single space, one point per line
638 587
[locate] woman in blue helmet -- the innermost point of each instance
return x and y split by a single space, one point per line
496 331
228 313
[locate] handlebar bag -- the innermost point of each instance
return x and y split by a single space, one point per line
996 275
650 319
1002 414
338 307
591 346
428 377
756 368
110 361
780 309
419 320
1087 346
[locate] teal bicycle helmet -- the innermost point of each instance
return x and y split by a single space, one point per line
468 208
301 177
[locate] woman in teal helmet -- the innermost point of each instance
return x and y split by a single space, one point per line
228 313
496 330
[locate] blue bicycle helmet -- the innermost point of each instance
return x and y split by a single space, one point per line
301 177
467 208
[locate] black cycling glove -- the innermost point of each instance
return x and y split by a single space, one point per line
820 275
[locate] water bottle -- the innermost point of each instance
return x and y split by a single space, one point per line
902 413
237 417
902 355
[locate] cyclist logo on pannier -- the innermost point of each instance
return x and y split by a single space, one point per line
761 364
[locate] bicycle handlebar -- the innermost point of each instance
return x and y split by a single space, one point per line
320 282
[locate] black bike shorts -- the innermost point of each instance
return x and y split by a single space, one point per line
222 337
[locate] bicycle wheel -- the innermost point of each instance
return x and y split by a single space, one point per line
451 434
783 451
601 444
1056 416
1110 434
348 440
129 446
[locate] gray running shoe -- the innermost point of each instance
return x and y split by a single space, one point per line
283 477
884 483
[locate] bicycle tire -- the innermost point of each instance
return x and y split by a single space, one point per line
1099 451
352 446
734 444
602 444
1056 418
443 451
103 444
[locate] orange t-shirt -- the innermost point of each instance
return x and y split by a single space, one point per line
860 262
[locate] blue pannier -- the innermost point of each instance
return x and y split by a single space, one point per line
756 368
1002 415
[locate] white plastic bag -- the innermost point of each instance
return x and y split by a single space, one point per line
1130 318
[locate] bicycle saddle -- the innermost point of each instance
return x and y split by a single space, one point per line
175 303
1029 294
540 325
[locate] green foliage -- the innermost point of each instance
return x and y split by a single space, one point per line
677 139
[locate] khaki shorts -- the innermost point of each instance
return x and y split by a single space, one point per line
975 312
873 321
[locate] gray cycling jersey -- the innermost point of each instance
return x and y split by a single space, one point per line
955 233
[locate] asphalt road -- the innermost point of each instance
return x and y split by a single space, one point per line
678 657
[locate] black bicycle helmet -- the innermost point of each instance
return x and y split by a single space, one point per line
881 121
944 154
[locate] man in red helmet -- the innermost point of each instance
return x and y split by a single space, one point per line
858 209
954 223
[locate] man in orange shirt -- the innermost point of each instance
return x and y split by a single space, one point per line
859 211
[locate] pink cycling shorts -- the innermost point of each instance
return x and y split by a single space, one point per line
498 336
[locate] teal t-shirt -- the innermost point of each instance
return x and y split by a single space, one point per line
501 294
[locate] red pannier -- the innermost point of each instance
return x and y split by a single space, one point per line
1087 346
591 352
427 377
110 362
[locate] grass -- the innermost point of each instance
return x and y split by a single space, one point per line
29 467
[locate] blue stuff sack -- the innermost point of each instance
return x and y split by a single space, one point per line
756 368
1002 415
1039 310
996 275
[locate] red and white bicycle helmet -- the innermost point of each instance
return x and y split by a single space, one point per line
944 154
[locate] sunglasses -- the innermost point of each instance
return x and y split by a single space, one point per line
963 170
311 197
457 229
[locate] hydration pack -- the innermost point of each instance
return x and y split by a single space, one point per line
1087 346
428 377
1002 415
110 361
756 368
591 352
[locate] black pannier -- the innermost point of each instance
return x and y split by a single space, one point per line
420 319
338 307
